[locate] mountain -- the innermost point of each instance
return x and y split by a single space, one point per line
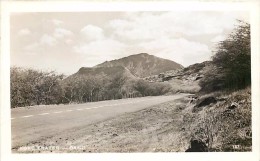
105 71
185 80
142 65
132 67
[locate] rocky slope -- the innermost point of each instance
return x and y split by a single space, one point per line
185 79
222 120
221 124
105 71
143 65
132 67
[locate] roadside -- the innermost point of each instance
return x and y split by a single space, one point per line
220 121
154 129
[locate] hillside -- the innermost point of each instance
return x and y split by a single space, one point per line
105 71
229 110
185 79
118 79
143 65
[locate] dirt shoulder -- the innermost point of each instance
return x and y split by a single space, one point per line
221 120
155 129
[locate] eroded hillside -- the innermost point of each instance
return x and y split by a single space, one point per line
184 80
143 65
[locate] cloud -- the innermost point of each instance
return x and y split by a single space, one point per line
48 40
100 50
151 25
24 32
32 46
180 50
68 41
57 22
91 32
31 53
61 33
218 38
100 47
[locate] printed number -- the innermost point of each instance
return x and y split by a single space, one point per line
236 146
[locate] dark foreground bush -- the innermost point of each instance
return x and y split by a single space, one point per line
232 62
31 87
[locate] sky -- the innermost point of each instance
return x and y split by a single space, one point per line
65 42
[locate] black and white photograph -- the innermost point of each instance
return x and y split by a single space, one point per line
131 81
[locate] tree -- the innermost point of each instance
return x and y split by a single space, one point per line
116 86
141 86
32 87
232 60
161 88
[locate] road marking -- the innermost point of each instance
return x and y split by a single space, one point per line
27 116
58 112
44 113
108 105
127 103
88 108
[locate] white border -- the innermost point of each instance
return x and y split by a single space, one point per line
65 6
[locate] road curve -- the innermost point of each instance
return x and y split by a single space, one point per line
30 125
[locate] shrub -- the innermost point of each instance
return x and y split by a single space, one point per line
232 62
32 87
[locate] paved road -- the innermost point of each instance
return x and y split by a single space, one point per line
30 125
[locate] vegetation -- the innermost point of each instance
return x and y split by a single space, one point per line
151 89
232 62
32 87
221 119
226 125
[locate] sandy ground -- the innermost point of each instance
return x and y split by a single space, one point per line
155 129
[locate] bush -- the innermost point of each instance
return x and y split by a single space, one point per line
231 61
222 127
31 87
151 89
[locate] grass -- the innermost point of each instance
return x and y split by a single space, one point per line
169 127
222 127
184 86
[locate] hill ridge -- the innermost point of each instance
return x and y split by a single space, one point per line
142 64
